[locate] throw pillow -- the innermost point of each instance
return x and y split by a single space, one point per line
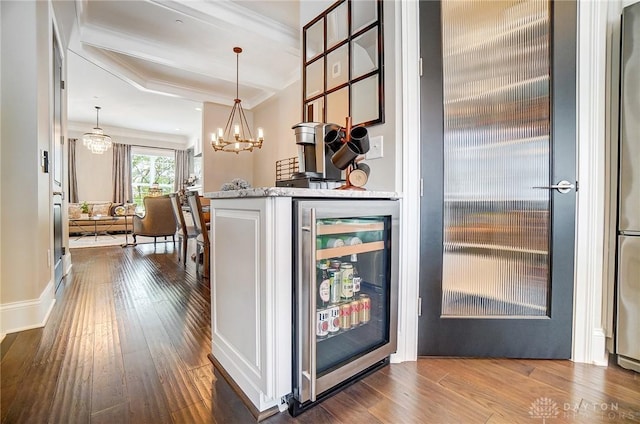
74 211
101 209
130 208
113 210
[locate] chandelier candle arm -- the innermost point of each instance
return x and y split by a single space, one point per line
241 139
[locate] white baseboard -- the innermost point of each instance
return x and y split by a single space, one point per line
67 263
25 315
599 354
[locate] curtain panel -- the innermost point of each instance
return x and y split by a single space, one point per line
122 190
182 168
73 176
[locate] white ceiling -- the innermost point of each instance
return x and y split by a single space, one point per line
150 64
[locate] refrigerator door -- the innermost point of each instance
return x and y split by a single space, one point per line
629 184
628 336
343 326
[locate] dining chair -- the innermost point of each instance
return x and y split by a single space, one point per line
183 231
202 239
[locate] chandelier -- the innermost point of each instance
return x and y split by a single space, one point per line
241 139
96 140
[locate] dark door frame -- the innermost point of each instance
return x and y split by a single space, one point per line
563 95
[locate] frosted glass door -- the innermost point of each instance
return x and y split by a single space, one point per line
498 135
496 71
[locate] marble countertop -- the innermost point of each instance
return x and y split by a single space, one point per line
301 192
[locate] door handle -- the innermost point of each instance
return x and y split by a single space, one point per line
312 308
563 186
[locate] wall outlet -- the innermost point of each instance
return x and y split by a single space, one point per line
375 148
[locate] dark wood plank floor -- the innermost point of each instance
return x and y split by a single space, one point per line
128 340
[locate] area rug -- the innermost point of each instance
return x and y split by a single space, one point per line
108 240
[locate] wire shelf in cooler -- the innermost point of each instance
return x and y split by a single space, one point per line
335 252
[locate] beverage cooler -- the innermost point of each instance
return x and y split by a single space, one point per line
345 294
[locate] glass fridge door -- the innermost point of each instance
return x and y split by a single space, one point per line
346 292
352 288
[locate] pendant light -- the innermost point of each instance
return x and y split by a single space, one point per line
241 139
96 140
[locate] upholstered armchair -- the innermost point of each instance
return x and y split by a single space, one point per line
158 219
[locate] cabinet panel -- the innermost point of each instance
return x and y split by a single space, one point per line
251 295
238 288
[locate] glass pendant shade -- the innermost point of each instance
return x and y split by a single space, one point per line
96 140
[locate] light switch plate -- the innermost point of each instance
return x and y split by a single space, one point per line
375 148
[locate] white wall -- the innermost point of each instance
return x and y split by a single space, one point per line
222 167
26 280
276 116
94 173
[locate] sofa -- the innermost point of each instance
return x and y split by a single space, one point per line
121 218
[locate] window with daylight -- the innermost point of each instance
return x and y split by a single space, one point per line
152 173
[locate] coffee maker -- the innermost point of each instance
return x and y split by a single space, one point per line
315 169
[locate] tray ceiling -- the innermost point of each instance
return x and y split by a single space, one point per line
150 64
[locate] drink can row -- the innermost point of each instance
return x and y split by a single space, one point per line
355 312
343 316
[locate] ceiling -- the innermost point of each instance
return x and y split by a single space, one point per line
150 64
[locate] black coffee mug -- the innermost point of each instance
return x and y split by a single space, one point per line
346 155
333 139
360 136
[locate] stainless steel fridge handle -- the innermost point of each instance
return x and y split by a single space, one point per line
563 186
312 307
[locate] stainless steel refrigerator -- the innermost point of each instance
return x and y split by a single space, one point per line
628 262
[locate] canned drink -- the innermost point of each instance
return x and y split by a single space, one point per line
347 281
322 323
334 264
335 285
334 318
345 316
356 284
355 313
365 308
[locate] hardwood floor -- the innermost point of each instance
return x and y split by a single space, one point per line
128 339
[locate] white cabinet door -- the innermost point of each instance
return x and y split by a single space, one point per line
251 294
